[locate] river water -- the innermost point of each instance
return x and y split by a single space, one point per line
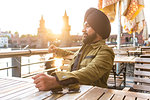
7 62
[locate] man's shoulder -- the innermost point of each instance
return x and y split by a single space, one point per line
107 48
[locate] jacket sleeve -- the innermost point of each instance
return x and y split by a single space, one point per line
63 53
101 64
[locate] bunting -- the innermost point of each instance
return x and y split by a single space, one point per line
109 8
134 9
133 12
134 17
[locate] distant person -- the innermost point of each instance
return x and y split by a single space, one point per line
91 64
145 43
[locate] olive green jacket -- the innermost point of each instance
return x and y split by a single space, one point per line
94 66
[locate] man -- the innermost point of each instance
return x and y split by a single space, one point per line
91 64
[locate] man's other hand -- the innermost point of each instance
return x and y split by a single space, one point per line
52 48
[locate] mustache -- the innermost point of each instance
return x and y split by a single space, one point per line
85 33
88 38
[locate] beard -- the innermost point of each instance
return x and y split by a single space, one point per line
88 39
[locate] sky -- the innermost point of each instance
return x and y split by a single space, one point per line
23 16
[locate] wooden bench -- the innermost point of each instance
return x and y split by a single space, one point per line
142 77
115 80
66 61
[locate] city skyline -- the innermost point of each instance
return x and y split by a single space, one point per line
23 16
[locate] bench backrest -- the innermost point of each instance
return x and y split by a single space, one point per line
66 61
142 77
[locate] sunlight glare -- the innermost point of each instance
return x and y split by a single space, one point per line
58 62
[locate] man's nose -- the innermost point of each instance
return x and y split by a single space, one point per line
83 30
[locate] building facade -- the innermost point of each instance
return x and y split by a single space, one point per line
126 39
5 39
3 42
42 34
15 40
65 35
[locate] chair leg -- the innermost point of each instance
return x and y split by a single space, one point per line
114 72
124 75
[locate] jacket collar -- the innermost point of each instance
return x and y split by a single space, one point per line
98 43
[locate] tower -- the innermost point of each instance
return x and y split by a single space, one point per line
42 34
65 36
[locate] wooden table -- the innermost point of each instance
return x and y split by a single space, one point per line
135 53
23 89
131 59
97 93
124 59
142 48
145 56
124 62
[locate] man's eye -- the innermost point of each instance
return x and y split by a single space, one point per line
87 26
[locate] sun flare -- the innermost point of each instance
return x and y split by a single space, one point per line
58 62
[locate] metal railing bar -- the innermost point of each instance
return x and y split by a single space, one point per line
30 52
22 53
37 62
26 64
8 67
16 54
28 75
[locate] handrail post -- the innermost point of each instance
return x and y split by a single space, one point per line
16 72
